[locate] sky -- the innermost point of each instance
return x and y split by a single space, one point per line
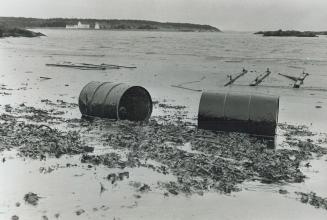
242 15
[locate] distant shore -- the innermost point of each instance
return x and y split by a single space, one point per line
291 33
105 24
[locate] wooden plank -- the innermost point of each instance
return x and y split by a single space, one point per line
45 78
260 78
88 66
77 66
182 87
232 80
109 65
289 77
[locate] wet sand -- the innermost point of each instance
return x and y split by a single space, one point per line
66 189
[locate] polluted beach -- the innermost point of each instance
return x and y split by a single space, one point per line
123 119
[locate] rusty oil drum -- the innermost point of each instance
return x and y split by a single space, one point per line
115 101
238 112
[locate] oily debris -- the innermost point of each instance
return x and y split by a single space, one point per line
200 160
312 199
32 198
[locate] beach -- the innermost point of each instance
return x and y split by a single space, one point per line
195 61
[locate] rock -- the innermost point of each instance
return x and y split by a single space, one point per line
137 196
112 177
283 191
123 175
80 211
18 32
88 149
172 191
307 165
145 188
288 33
102 188
14 217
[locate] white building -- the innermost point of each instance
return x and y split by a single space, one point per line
97 26
78 26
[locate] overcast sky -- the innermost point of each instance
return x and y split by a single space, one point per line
224 14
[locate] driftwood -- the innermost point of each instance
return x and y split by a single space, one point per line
260 78
190 82
289 77
181 87
232 80
88 66
45 78
119 66
109 65
76 66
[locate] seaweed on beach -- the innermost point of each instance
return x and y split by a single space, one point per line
168 106
213 161
31 198
312 199
295 130
216 161
295 138
38 140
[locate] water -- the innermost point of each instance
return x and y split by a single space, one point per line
168 58
162 59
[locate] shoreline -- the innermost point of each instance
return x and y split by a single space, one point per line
134 30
